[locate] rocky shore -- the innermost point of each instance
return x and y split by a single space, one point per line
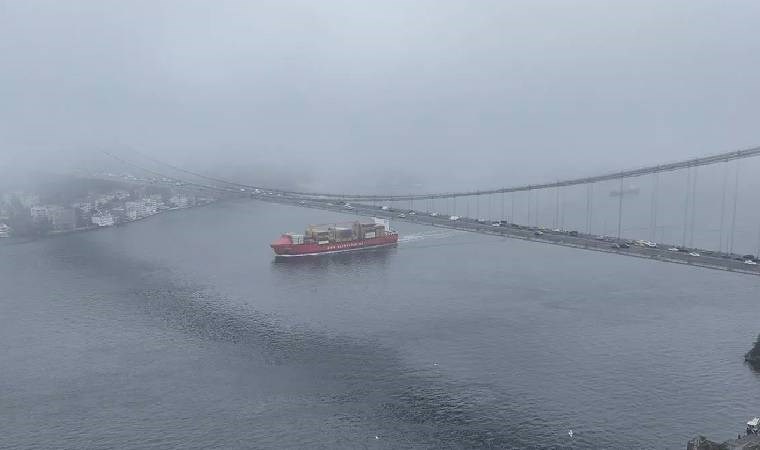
744 443
753 356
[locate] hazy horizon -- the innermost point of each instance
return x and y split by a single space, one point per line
452 94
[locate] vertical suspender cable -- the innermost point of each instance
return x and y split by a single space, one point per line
693 205
620 210
653 211
686 206
562 211
733 217
555 222
723 208
530 204
591 207
588 206
512 215
502 206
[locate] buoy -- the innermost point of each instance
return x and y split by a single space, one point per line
570 433
377 437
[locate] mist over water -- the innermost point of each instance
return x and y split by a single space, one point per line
184 331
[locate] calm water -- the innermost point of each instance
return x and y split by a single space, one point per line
182 331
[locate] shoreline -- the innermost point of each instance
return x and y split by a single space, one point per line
92 228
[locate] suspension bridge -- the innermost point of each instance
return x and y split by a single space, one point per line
573 212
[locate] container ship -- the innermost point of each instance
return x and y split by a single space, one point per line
344 237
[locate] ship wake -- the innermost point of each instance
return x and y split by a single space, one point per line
426 235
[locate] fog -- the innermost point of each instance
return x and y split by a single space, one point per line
348 95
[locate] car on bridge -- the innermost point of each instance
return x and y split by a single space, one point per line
454 218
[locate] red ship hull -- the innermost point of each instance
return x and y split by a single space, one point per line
285 247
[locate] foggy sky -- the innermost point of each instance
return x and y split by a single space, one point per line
481 93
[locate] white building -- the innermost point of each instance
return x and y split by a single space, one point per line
132 210
28 200
61 218
143 208
180 201
39 213
150 206
105 198
103 220
85 207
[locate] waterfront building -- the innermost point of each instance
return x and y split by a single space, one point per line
27 199
139 209
150 206
103 220
5 230
85 207
39 213
104 199
132 210
62 219
180 201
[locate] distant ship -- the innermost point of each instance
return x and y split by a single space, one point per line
629 190
343 237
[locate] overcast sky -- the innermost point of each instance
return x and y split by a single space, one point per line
481 92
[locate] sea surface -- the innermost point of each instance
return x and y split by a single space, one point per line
183 331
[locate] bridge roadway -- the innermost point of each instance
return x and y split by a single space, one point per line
707 259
